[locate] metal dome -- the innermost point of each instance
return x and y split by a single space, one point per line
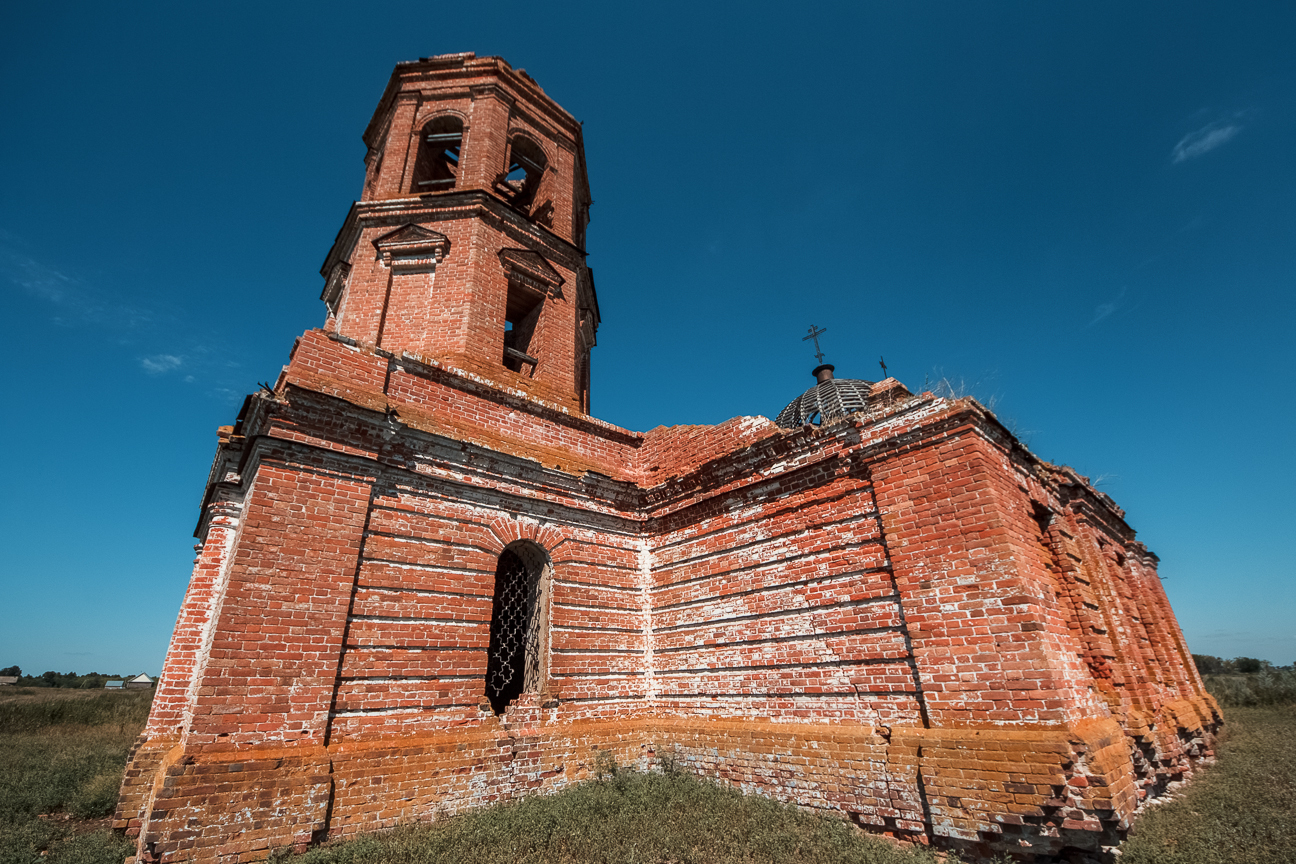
830 399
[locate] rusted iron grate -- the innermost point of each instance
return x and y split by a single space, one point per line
514 657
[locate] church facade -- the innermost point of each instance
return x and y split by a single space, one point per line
427 579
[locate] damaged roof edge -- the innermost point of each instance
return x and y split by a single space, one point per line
469 63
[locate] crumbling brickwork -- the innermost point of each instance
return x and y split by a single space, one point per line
900 616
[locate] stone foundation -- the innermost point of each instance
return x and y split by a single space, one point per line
978 790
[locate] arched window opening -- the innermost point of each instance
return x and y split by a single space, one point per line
519 631
526 167
438 157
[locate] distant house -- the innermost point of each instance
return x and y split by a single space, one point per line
139 682
113 685
8 680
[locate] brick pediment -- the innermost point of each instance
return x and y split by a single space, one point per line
412 247
531 267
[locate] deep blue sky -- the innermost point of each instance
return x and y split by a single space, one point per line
1084 212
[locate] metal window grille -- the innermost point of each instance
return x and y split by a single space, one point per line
513 662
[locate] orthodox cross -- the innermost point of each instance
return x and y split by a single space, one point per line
882 363
815 333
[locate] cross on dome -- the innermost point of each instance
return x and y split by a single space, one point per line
815 333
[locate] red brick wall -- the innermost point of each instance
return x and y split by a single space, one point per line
777 601
457 312
737 596
173 700
985 627
272 665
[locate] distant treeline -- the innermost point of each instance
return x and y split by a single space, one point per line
1246 681
1208 665
70 680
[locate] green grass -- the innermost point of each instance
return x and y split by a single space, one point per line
629 817
62 754
1240 811
30 709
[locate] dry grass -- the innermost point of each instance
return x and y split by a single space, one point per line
1273 686
62 753
1240 811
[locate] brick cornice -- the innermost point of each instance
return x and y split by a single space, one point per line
917 423
467 382
468 204
943 418
475 472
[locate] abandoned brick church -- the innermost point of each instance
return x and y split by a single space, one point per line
427 579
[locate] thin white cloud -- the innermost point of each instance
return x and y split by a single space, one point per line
1104 311
75 302
228 396
1204 140
72 301
44 282
160 363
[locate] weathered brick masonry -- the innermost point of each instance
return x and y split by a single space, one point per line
427 579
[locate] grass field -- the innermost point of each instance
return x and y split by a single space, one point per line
1241 810
62 754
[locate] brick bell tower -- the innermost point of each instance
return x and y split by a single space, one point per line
468 243
460 320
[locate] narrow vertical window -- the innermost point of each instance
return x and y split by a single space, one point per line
438 157
531 281
517 655
521 315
